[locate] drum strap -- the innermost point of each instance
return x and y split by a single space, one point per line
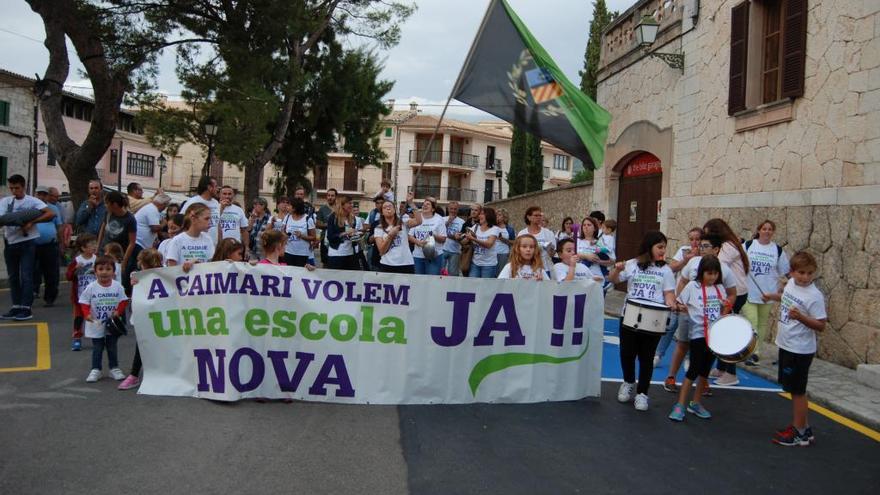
706 309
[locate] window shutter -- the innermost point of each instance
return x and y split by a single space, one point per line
739 41
794 47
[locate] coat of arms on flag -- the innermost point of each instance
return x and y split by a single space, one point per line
542 85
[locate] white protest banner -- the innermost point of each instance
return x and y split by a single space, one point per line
229 331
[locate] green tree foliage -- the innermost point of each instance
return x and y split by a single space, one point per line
517 177
583 175
534 164
601 19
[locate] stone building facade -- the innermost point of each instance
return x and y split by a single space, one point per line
730 144
16 128
573 201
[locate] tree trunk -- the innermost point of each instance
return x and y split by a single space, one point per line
252 181
78 162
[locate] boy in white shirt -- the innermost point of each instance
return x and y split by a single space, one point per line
801 315
103 299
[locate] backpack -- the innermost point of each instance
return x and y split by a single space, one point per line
748 243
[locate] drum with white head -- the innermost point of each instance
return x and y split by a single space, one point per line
732 339
646 316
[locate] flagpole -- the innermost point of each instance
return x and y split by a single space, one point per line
451 93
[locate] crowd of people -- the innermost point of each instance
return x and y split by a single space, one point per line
714 274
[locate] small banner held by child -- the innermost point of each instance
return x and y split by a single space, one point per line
230 331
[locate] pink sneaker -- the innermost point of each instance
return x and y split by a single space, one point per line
130 382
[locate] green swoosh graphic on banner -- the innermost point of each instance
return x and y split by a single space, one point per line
499 362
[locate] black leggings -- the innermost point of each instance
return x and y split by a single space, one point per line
635 344
343 263
701 360
294 260
410 269
136 365
737 307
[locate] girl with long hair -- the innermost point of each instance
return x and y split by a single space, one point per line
484 236
525 262
433 224
768 269
340 231
534 219
648 278
391 236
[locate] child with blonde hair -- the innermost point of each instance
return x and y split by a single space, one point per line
146 260
525 260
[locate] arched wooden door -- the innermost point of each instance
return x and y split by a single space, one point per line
638 204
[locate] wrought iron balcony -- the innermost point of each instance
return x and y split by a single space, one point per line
453 158
493 164
445 193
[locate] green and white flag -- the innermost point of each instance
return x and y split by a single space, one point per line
510 75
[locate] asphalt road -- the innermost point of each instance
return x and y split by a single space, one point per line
59 434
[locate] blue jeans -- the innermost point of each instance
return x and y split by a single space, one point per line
667 337
425 266
478 271
98 345
20 267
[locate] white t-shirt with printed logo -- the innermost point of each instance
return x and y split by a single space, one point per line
398 254
648 284
792 335
84 273
767 267
184 247
689 272
149 215
10 204
692 297
103 302
609 242
232 220
454 227
524 272
295 245
484 256
163 250
587 246
213 205
500 247
434 225
581 272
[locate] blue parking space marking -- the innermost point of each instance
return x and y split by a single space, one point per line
611 364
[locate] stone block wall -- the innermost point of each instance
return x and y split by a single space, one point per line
567 201
845 241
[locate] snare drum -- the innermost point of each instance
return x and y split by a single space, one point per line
647 316
732 339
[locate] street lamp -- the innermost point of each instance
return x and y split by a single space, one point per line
211 132
646 35
162 167
43 147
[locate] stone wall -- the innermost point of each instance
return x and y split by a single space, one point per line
567 201
845 241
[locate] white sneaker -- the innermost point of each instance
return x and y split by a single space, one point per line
626 391
94 375
641 402
687 364
727 380
117 374
656 360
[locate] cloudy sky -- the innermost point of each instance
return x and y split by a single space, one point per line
434 43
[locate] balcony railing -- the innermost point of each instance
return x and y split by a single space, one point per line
493 164
234 182
445 193
342 185
453 158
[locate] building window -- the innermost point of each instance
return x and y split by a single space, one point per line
139 164
560 162
50 157
386 170
389 132
3 165
4 115
768 43
114 161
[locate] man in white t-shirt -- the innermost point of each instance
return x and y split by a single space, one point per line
150 222
233 221
206 194
20 251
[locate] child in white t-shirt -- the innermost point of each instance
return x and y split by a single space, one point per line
193 245
570 267
801 315
704 300
114 250
81 273
525 262
101 300
175 227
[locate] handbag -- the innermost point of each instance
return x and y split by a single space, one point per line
115 326
467 253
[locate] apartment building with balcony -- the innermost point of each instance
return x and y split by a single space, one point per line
465 162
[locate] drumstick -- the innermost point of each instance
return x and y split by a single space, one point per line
752 276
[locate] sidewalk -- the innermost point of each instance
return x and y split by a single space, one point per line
832 386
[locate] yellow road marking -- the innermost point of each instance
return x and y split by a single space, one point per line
44 356
864 430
